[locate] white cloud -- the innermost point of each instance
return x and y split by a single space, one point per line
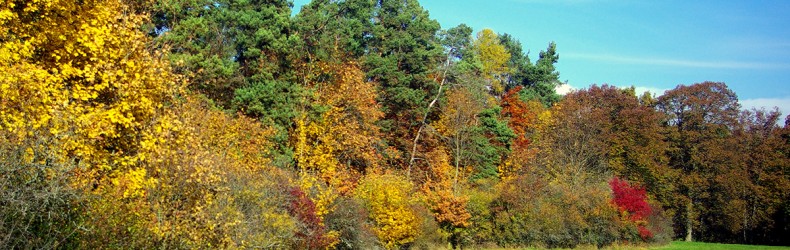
653 90
676 62
564 89
768 103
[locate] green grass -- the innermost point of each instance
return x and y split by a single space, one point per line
712 246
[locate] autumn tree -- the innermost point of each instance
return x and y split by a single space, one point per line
150 170
443 197
698 122
456 42
631 201
93 93
749 192
403 51
341 141
237 53
625 135
458 123
494 59
522 117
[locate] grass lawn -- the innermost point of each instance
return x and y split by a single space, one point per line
712 246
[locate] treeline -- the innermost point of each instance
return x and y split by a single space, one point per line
354 124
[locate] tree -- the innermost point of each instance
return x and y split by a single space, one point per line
519 63
494 58
522 118
335 28
626 134
542 78
749 192
442 194
459 118
145 169
224 45
632 201
455 41
403 54
94 97
699 119
396 42
342 140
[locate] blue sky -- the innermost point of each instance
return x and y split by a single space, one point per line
653 45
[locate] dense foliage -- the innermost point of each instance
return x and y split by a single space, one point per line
354 124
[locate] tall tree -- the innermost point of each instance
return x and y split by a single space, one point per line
455 42
227 44
627 134
699 119
753 188
519 63
398 46
335 28
539 79
402 57
494 59
543 78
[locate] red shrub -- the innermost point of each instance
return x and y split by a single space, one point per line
645 233
633 200
630 198
312 233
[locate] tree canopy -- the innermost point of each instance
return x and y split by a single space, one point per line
354 124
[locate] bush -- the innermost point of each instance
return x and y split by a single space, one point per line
532 211
387 198
38 209
349 219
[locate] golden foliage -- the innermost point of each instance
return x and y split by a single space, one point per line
155 170
81 73
387 198
494 57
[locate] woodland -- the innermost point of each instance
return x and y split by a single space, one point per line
354 124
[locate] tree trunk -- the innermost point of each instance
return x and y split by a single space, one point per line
412 157
689 220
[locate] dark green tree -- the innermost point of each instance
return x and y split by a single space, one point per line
402 57
519 61
539 79
224 45
331 29
542 78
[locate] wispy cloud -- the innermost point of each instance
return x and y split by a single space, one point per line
610 58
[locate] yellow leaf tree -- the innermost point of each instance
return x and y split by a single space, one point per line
494 58
81 72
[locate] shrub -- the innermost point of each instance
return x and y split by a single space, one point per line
349 219
386 196
38 209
